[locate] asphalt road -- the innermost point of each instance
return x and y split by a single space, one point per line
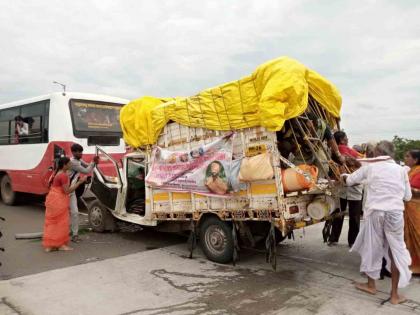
23 257
149 273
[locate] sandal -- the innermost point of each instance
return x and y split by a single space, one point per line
65 248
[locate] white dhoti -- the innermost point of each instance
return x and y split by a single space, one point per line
383 231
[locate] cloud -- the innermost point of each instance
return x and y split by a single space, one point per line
166 48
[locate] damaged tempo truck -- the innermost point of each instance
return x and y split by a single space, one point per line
234 165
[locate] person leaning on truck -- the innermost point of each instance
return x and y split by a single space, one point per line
324 133
301 151
351 196
78 166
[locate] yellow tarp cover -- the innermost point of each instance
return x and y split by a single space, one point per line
276 91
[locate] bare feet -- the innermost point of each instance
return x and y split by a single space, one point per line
48 249
365 288
397 299
65 248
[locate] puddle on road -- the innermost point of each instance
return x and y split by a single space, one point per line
227 291
294 287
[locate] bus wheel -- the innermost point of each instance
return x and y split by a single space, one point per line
100 219
8 196
216 240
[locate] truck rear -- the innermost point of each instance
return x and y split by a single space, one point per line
236 164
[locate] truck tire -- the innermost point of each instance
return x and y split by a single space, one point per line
100 219
216 240
8 196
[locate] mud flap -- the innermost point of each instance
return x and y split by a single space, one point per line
326 231
271 247
236 249
192 239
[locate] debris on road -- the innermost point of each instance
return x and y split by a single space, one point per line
28 236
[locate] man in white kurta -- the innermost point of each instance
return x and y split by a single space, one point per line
383 231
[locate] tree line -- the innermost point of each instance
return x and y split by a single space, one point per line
402 145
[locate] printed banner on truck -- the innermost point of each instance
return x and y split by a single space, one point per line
207 170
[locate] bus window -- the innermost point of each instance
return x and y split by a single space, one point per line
35 129
22 129
24 124
9 114
34 116
34 109
46 123
7 134
4 132
95 117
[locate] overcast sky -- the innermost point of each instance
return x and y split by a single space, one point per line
369 49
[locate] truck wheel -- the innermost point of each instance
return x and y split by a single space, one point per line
100 219
216 240
8 196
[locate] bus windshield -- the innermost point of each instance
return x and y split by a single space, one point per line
91 116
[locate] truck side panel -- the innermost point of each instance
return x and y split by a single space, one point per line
262 195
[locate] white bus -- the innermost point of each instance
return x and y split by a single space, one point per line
34 132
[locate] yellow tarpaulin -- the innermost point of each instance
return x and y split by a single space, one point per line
276 91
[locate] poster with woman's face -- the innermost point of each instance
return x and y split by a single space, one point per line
215 179
207 170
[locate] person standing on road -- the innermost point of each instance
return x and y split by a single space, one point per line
349 195
78 166
369 149
382 234
56 225
412 210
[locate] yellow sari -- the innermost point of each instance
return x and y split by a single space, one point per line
412 225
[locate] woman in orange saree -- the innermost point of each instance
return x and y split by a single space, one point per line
56 225
412 210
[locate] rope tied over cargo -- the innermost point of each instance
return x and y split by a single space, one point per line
275 92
